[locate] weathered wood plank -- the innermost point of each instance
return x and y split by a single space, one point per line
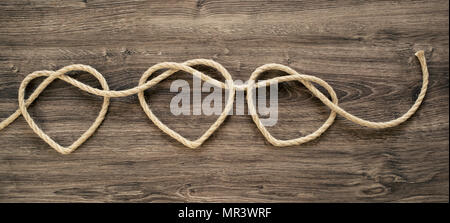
364 49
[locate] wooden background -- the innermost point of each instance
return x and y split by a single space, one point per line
364 49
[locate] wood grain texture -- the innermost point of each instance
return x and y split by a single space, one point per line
364 49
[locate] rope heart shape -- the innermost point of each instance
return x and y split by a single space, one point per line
307 80
186 66
51 76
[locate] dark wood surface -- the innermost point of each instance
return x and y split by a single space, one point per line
364 49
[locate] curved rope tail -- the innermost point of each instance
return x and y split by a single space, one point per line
381 125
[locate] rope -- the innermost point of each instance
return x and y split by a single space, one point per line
172 67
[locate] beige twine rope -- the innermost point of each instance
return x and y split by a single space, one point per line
171 67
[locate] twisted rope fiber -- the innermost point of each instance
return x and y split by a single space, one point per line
306 80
